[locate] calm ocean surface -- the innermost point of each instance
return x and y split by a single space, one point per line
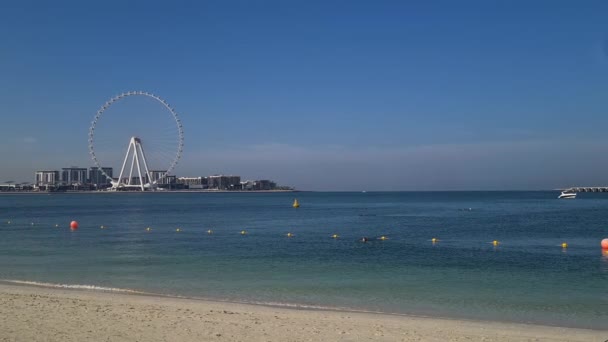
527 278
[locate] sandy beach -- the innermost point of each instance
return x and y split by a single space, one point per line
29 313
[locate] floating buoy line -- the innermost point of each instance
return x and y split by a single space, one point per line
74 225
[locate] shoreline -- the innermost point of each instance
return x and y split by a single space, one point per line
28 312
277 305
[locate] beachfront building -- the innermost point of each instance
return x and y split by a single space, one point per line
8 186
74 175
265 184
157 176
47 178
221 182
258 185
194 182
97 178
11 186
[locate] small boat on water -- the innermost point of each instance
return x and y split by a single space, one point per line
567 195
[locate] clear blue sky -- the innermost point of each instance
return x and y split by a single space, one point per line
338 95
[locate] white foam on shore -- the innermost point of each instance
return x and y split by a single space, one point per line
304 306
221 300
72 286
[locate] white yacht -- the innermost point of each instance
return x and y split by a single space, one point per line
567 195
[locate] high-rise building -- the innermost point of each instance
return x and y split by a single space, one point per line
45 178
73 175
97 178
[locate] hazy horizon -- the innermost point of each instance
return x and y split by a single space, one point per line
319 95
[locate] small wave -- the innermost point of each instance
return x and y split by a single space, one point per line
299 306
71 286
212 299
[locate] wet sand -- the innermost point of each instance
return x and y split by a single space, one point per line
29 313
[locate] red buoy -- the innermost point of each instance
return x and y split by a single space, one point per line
605 244
73 225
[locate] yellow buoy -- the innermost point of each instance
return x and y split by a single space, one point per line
289 235
178 230
148 229
564 245
210 231
434 240
243 232
495 242
295 203
383 238
335 236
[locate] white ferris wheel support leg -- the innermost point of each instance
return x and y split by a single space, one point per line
131 170
141 180
124 163
143 157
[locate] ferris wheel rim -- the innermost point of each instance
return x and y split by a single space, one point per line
108 103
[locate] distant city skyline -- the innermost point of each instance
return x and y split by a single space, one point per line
94 179
322 95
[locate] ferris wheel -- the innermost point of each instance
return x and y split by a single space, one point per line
136 119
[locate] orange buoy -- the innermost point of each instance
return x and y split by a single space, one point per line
605 244
73 225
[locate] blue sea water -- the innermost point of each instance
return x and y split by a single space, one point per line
528 277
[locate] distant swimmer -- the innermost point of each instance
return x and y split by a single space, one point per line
364 239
